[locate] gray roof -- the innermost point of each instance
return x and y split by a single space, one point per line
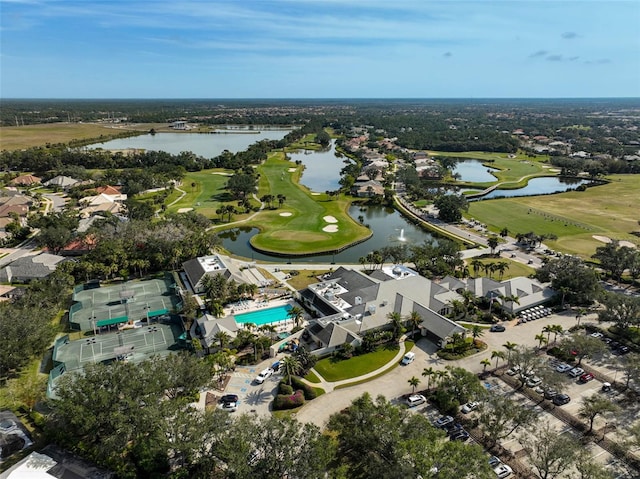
334 335
28 268
62 181
530 292
210 326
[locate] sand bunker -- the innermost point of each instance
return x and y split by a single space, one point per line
330 228
330 219
606 239
185 210
286 213
292 170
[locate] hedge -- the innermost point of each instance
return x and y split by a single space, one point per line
285 389
292 401
309 392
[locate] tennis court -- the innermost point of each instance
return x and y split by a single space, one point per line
129 345
100 308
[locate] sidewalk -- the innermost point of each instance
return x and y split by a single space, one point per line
329 386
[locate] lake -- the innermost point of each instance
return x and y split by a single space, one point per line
473 171
538 186
321 168
388 227
207 145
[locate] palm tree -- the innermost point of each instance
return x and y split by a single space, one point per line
269 330
511 299
493 243
296 313
497 355
581 312
440 375
477 265
548 329
564 290
501 267
509 346
413 382
223 338
414 320
457 308
476 332
250 326
486 362
541 339
396 324
469 299
290 366
216 309
556 329
427 373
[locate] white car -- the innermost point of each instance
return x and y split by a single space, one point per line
267 373
534 381
597 335
229 406
470 406
563 368
503 471
408 358
416 400
513 371
575 372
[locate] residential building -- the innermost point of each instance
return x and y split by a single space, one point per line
28 268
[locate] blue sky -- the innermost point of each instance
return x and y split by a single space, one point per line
319 49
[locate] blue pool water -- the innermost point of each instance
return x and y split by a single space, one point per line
264 316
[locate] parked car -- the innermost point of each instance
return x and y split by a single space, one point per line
227 398
513 371
229 406
453 428
461 435
497 328
597 334
561 399
443 421
494 461
470 406
563 368
266 373
503 471
416 400
408 358
576 372
624 350
533 381
586 377
550 393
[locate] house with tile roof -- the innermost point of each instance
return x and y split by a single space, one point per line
26 180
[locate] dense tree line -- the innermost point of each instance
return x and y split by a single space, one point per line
26 323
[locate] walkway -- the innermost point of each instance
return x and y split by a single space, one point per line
329 386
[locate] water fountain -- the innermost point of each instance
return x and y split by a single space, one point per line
401 237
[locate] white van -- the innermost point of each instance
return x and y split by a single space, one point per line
416 400
408 358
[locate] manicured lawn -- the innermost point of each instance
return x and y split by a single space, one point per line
514 270
304 278
311 377
332 369
302 231
575 217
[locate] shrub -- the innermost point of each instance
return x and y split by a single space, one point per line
308 391
288 401
285 389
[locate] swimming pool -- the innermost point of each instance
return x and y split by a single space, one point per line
265 316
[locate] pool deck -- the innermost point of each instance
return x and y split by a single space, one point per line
249 306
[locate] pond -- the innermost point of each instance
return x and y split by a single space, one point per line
321 168
388 226
538 186
473 171
207 145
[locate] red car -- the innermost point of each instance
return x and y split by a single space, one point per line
585 378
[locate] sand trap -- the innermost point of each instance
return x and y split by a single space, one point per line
554 170
315 194
286 213
292 170
185 210
221 173
606 239
330 228
330 219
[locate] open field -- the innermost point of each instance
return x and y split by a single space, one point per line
575 217
514 270
15 138
304 230
206 196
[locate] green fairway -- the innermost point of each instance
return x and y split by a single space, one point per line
305 223
575 217
206 196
